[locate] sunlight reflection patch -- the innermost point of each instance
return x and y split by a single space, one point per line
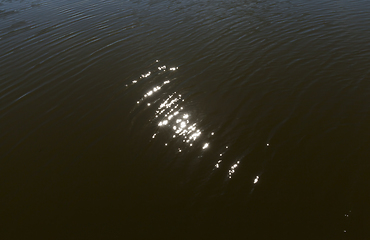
232 169
172 115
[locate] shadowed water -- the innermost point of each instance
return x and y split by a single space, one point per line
171 119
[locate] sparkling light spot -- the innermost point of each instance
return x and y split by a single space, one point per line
164 122
232 169
256 179
174 117
146 75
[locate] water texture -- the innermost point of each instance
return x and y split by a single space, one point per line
195 119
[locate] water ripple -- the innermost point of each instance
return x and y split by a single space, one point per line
236 103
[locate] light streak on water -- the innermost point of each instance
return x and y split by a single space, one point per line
233 168
171 113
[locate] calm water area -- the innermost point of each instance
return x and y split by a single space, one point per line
184 119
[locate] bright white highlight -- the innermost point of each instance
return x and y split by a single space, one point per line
146 75
256 179
232 169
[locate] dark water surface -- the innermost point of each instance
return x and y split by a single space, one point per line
169 119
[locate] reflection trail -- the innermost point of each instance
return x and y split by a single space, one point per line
170 114
175 123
